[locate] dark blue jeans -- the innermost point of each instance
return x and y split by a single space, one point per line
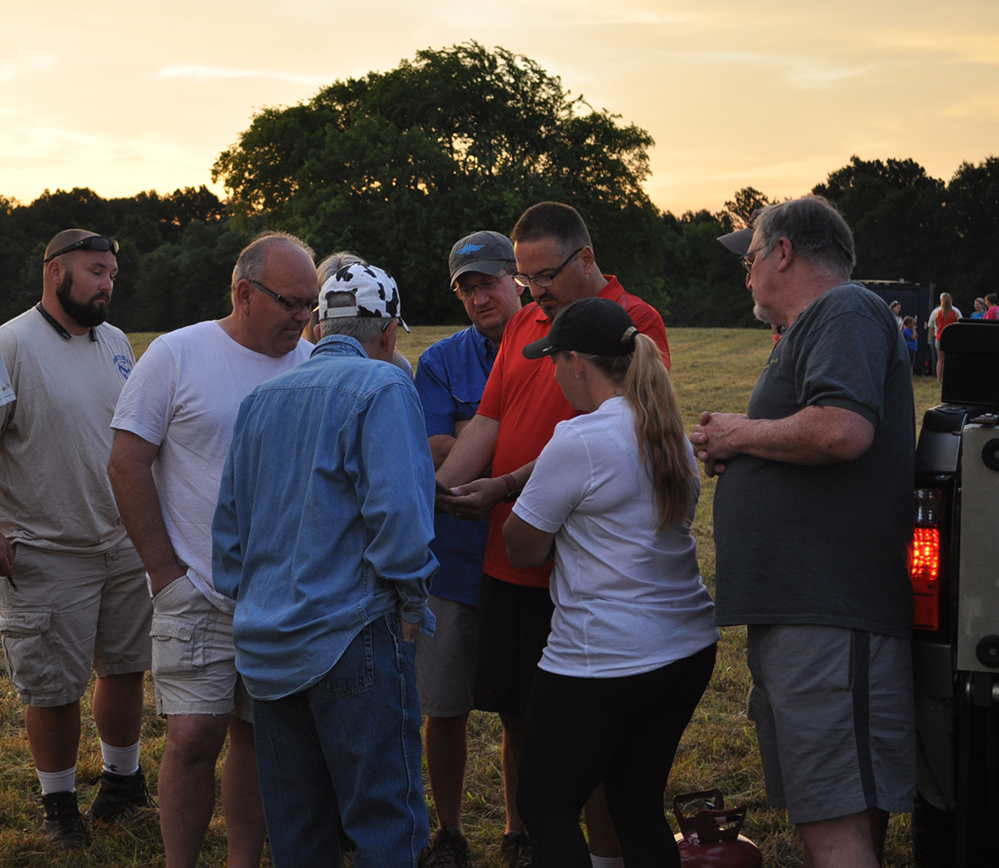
349 748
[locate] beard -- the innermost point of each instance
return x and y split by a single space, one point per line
88 314
762 315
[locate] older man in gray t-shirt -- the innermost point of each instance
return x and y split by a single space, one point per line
813 512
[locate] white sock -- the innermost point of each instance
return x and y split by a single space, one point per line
57 782
607 861
120 760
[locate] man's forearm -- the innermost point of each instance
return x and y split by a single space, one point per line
813 436
139 505
471 453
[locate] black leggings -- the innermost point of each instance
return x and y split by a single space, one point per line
621 731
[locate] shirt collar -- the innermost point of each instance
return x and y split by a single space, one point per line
58 326
484 344
339 345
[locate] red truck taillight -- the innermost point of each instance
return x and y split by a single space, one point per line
924 559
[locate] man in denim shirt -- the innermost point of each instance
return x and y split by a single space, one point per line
322 537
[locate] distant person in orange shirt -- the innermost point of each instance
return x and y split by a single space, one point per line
945 316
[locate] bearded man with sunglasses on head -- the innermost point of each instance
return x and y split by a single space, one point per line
74 596
172 431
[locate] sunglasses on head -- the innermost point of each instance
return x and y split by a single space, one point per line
91 242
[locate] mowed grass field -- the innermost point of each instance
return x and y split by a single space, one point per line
713 369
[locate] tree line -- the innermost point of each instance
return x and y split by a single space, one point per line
396 166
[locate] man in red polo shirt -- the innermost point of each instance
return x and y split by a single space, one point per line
520 408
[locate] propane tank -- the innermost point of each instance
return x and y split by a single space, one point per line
710 838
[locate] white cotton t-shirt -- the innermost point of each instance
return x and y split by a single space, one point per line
628 599
183 396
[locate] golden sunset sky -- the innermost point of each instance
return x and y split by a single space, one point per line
129 96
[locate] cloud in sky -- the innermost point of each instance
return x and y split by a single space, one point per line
25 64
193 72
798 70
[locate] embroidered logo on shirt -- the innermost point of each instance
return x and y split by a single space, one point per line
124 364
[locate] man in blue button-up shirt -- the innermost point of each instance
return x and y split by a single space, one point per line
322 537
450 378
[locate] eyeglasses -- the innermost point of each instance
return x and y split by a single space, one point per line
543 280
748 260
468 290
91 242
293 307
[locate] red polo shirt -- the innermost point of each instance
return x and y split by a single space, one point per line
524 398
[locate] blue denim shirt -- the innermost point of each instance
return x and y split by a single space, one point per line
325 515
450 379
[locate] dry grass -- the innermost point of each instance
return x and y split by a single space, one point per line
714 369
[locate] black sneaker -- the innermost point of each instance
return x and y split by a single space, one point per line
447 849
63 827
515 850
119 795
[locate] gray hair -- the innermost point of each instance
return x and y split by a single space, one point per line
363 329
335 261
253 257
817 232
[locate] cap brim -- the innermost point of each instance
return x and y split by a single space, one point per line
492 267
738 242
539 349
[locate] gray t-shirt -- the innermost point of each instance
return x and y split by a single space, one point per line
55 438
825 545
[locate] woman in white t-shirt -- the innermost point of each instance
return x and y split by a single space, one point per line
632 642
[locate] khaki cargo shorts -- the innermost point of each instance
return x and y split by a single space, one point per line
62 614
194 659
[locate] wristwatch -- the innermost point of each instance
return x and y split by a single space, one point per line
512 492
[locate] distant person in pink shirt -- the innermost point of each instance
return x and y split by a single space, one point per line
993 311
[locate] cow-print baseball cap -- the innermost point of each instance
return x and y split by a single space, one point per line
374 290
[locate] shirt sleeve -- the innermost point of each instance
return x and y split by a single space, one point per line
8 395
146 403
227 549
491 404
558 484
648 322
839 368
439 408
401 528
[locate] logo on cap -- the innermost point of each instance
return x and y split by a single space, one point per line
470 248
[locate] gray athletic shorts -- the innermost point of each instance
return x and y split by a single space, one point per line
194 659
445 662
62 614
834 716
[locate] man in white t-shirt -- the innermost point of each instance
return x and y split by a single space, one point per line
73 596
172 427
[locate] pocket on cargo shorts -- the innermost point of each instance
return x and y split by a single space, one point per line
29 651
178 638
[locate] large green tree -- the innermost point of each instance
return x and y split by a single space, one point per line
973 209
705 282
897 215
398 165
144 224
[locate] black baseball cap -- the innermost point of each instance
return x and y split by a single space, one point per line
738 242
590 325
485 251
